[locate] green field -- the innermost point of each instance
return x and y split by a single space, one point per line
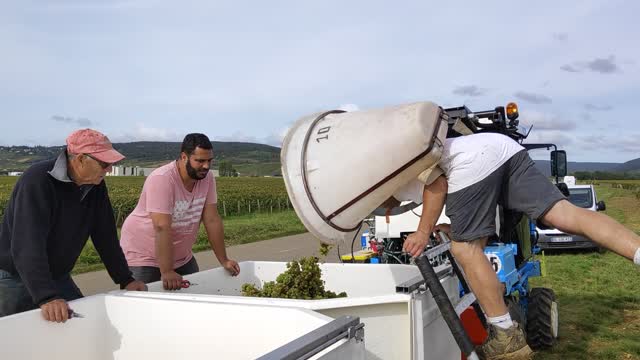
598 294
236 196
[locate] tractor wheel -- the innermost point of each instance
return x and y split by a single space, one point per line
542 318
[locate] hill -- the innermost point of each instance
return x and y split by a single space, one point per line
545 166
249 157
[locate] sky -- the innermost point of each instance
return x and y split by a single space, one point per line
247 70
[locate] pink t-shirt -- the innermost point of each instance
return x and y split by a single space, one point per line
163 192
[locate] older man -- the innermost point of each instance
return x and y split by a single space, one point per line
55 207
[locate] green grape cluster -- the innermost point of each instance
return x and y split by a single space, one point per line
324 249
301 280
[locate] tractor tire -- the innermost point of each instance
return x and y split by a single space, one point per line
542 319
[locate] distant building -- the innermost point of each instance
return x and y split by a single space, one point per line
15 173
120 170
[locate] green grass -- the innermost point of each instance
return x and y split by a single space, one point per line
259 169
238 230
598 294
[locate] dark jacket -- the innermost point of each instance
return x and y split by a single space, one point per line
46 224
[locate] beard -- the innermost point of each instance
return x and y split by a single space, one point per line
195 174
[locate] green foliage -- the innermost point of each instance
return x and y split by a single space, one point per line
301 280
324 249
606 175
631 185
226 169
236 195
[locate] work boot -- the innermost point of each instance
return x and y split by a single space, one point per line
505 344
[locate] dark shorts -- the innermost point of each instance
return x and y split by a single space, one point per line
149 274
516 185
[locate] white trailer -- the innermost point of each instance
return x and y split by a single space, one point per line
398 325
120 326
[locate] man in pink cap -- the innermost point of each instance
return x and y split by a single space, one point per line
55 207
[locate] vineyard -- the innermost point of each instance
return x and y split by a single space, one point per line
236 196
632 185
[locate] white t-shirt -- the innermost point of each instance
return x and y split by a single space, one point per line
465 161
468 159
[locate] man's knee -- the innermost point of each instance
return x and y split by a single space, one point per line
465 251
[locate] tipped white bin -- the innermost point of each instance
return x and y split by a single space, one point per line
321 152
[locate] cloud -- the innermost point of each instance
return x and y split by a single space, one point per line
561 36
604 66
273 139
237 136
561 139
569 68
592 107
142 132
469 90
546 122
625 144
533 98
76 121
599 65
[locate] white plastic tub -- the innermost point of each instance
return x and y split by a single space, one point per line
116 326
402 141
397 326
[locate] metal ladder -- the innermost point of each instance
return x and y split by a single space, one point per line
450 313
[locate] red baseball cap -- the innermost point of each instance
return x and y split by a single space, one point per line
94 143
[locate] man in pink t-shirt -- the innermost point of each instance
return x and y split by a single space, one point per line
158 235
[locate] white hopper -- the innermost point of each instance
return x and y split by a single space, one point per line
338 167
397 326
116 326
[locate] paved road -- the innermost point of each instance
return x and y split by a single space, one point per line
280 249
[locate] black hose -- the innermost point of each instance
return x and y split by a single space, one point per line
353 258
445 306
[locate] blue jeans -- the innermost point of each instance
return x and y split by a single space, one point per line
15 298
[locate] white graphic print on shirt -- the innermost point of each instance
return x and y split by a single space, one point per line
186 214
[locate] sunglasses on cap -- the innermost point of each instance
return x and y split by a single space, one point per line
102 164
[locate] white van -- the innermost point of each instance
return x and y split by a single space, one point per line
583 196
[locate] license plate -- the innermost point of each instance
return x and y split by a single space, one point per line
561 239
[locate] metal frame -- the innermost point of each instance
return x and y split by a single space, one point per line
306 346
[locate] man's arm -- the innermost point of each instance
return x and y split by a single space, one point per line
32 204
433 199
215 233
171 280
105 238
